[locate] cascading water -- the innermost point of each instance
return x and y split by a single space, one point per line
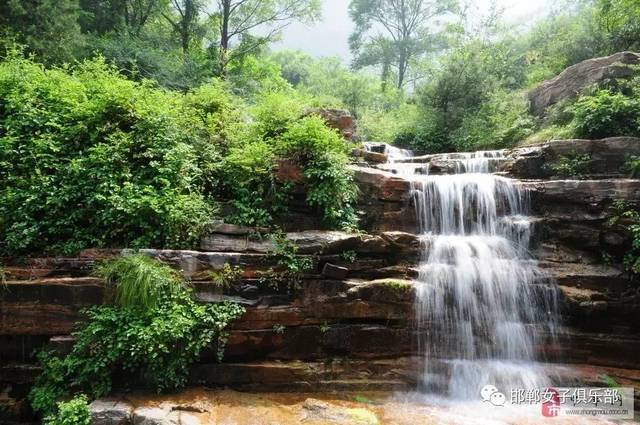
481 297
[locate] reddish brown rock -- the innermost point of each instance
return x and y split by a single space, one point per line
339 119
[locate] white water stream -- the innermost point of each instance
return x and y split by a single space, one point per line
481 298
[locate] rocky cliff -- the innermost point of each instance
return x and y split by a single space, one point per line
348 323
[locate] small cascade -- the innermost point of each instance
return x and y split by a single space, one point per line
477 162
481 298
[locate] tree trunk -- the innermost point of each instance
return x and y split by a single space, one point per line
224 35
402 68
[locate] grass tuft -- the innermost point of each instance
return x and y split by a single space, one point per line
139 280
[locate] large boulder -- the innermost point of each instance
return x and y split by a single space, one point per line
579 76
110 412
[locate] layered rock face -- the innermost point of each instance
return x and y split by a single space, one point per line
580 76
349 322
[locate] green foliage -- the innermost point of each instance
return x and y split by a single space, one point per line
629 219
323 156
226 276
274 112
72 412
362 399
349 256
502 121
154 345
47 28
395 34
618 20
290 267
605 114
139 280
151 56
325 327
570 166
609 381
91 159
256 196
385 122
279 329
631 166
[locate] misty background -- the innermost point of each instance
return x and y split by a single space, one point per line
330 36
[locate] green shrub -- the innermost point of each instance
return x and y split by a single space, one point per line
629 219
274 112
502 121
257 198
322 153
290 267
150 344
90 159
606 114
226 276
73 412
631 166
570 166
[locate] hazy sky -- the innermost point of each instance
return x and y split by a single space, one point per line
330 37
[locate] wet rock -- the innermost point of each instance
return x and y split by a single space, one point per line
110 412
580 201
332 271
607 157
381 184
164 415
317 411
308 242
153 416
336 374
370 156
234 229
580 76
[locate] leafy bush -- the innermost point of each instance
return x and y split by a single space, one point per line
274 112
153 344
88 158
289 266
73 412
631 166
502 121
386 125
606 114
576 166
629 219
226 276
323 155
256 196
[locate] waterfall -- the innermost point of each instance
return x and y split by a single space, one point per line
481 298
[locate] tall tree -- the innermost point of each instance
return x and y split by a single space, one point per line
620 22
394 32
185 19
104 16
253 23
48 28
